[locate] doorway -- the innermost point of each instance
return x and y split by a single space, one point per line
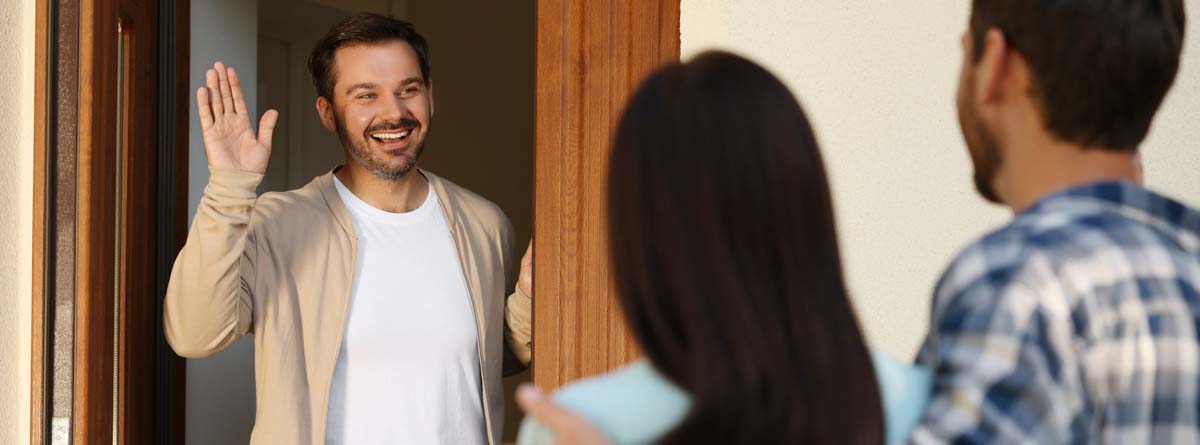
549 77
482 135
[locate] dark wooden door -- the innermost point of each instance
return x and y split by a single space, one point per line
106 118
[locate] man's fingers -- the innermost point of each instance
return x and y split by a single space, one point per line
527 260
266 127
525 276
214 93
235 85
206 117
226 93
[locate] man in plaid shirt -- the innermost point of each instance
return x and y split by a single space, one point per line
1078 322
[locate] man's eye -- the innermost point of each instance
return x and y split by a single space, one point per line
367 96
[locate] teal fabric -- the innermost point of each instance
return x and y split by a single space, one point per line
637 405
905 390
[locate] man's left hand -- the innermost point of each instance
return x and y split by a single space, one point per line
525 278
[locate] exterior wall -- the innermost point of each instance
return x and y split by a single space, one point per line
16 216
877 80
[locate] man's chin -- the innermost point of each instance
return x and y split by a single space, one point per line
393 173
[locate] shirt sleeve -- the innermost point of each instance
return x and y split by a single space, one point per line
209 302
997 358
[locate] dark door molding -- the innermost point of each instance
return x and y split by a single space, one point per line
110 163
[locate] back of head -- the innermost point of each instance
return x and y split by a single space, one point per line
1100 67
726 260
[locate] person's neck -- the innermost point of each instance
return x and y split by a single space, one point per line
404 195
1045 165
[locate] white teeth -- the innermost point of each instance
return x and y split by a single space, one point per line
391 135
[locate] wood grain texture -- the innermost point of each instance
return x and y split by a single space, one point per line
76 221
591 55
139 176
95 225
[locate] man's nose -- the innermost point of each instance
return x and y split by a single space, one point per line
395 109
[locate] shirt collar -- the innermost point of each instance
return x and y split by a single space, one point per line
1132 201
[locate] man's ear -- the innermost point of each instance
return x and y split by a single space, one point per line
325 111
992 69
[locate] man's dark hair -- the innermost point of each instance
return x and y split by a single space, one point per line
1100 67
362 28
725 258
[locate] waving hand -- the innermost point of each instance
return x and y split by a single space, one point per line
228 139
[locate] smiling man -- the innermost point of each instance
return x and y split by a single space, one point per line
378 294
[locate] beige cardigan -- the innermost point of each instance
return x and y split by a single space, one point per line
280 266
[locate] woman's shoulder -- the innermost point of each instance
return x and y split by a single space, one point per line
637 405
905 390
633 404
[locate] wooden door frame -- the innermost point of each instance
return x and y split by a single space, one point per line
591 54
74 225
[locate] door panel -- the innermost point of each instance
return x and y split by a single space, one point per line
590 57
115 251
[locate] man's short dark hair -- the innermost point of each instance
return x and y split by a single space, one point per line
362 28
1100 67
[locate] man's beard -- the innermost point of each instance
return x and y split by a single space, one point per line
981 145
359 148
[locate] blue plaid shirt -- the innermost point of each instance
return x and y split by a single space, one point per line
1078 322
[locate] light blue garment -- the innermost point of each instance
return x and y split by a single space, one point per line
637 405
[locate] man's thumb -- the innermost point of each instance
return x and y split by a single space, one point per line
266 127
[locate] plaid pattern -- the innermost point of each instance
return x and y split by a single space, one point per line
1079 322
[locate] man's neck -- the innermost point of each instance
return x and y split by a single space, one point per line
401 196
1048 166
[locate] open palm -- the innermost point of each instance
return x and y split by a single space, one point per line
228 139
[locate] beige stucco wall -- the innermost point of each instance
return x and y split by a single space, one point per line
877 80
16 208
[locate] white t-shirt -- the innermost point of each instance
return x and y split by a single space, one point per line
408 370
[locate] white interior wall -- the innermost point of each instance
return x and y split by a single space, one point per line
305 148
220 388
877 80
16 216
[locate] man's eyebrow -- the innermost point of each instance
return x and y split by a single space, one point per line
361 86
372 85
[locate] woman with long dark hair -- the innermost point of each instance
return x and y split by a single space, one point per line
726 262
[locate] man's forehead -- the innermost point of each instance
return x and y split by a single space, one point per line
376 62
387 50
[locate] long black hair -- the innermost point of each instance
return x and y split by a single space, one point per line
726 260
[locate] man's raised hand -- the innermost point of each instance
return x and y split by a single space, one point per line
228 139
